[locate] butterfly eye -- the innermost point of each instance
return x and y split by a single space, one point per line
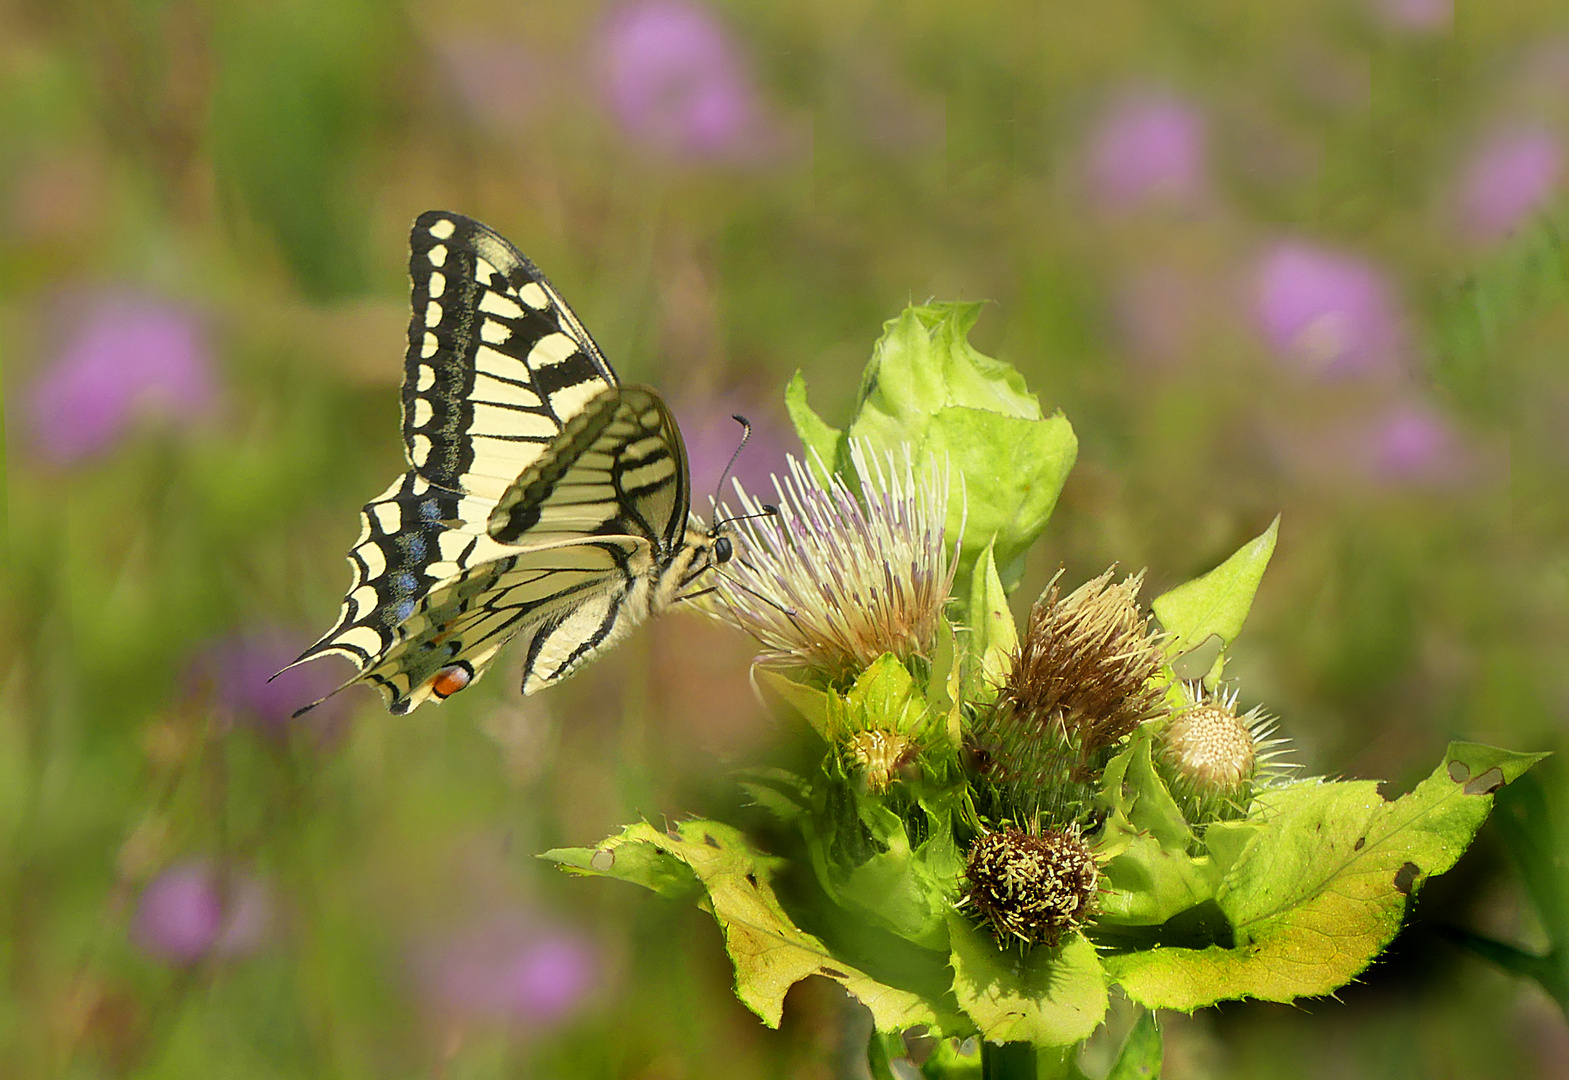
723 550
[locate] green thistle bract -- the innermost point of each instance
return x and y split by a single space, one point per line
1031 887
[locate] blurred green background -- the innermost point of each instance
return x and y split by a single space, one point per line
1296 257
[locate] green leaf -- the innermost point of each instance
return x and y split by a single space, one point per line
927 388
1147 884
1143 1054
1149 877
1133 791
908 890
993 636
640 864
1227 840
1216 604
1322 888
820 440
1006 475
779 791
886 698
812 704
770 953
1049 997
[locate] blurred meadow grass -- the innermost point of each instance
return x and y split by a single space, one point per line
1302 257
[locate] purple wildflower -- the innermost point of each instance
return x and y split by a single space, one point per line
125 357
1148 148
235 672
1414 444
192 911
1329 314
509 970
1513 174
675 79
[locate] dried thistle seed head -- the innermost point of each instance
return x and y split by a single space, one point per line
1029 887
1212 759
1087 663
838 578
880 756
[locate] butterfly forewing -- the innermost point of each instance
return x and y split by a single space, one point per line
497 363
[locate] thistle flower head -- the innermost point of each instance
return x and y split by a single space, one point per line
1031 887
1087 662
837 579
1213 759
880 756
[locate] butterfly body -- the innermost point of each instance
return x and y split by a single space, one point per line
544 501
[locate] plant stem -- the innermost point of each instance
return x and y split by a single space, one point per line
1008 1061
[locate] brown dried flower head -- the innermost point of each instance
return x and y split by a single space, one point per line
1081 680
1031 887
1087 663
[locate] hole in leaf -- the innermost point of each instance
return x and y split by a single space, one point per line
1405 877
1459 772
1195 663
1361 841
602 860
710 841
833 973
1486 783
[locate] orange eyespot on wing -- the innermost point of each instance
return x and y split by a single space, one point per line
450 679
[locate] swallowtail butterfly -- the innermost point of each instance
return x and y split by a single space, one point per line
544 501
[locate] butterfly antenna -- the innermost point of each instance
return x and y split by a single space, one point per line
768 510
746 435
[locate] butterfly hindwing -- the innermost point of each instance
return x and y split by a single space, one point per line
619 468
497 362
412 537
573 592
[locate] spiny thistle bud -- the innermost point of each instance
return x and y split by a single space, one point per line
881 756
1031 887
1082 679
1212 759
